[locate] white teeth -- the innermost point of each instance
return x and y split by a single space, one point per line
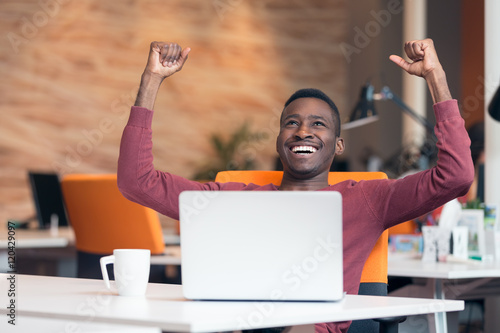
303 149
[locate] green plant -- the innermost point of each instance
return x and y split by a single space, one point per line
474 204
230 154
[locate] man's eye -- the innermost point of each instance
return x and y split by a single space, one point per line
291 123
319 123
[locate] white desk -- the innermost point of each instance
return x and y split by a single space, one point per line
48 325
445 280
164 307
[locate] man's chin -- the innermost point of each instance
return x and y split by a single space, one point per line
302 173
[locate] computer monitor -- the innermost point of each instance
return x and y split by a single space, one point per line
48 199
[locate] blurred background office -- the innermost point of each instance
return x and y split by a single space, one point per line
71 69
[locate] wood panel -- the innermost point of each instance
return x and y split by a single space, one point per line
70 71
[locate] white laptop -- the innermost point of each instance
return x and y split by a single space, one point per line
256 245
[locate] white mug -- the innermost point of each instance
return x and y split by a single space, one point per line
131 268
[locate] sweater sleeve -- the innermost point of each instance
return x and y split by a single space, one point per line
138 180
396 201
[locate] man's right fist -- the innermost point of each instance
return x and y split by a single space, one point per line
166 58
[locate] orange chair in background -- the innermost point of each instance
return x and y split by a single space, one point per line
375 269
104 220
374 276
408 227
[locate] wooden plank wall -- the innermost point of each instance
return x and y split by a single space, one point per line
70 71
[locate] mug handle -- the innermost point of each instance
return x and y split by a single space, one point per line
106 261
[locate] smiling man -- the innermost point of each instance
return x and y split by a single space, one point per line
308 141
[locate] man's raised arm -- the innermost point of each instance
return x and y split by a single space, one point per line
137 178
453 174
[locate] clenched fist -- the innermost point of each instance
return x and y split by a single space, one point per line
424 57
425 63
166 58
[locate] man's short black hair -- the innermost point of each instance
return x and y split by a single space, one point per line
316 93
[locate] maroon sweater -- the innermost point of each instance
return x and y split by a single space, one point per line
369 207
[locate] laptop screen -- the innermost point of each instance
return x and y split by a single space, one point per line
262 245
48 199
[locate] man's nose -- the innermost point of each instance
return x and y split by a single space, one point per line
303 132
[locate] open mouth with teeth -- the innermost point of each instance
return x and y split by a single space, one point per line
303 150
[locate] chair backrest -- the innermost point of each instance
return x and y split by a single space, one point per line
375 269
103 219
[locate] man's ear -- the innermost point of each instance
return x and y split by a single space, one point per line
339 146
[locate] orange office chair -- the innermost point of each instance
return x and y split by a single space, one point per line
374 275
104 220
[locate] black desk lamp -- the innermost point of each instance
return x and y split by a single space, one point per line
364 112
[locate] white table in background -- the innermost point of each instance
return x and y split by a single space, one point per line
171 256
171 239
58 248
39 238
85 300
445 280
62 237
41 251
